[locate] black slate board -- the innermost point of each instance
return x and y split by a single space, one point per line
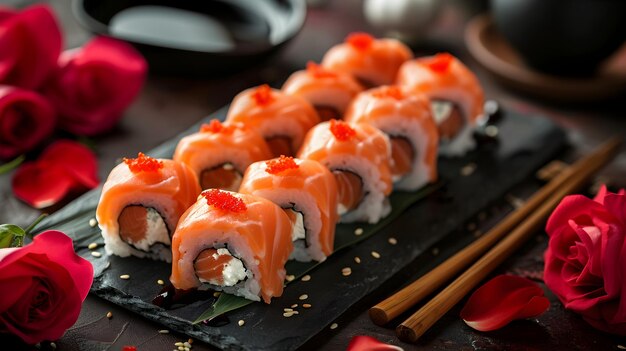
525 143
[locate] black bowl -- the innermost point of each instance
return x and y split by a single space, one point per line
563 37
199 38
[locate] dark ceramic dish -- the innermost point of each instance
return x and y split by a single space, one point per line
209 37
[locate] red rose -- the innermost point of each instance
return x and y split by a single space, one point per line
586 258
94 84
30 44
42 286
26 119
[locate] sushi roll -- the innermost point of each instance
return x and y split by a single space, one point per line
358 155
456 95
220 153
140 204
234 243
283 120
330 92
307 192
371 61
408 121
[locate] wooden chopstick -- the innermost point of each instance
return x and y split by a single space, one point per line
410 295
416 325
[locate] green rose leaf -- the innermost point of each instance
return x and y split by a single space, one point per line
11 236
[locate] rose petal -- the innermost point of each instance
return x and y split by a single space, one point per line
502 300
40 184
26 119
31 42
95 84
368 343
77 159
59 248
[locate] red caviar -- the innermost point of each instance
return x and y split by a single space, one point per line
263 95
360 41
318 71
215 126
341 130
224 200
143 163
280 164
440 62
129 348
389 91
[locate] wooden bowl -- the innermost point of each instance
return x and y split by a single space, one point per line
492 51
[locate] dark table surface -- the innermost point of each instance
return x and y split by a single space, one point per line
169 105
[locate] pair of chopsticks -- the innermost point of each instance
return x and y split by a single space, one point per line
514 230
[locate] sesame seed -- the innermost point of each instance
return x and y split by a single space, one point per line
160 282
241 322
621 347
357 259
435 251
185 348
181 348
392 240
514 201
288 309
306 305
96 254
125 276
93 222
358 231
287 314
109 315
217 293
491 131
190 341
290 277
334 326
468 169
346 271
294 305
178 344
303 297
53 345
295 312
375 254
306 278
164 331
92 246
228 167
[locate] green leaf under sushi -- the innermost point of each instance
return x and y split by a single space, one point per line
344 237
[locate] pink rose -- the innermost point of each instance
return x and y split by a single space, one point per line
586 258
26 119
42 285
30 44
94 84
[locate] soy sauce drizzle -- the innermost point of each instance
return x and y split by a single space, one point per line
171 298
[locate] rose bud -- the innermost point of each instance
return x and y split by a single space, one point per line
94 85
26 119
30 43
42 285
585 263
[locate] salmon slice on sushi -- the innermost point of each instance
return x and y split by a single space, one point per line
371 61
408 121
283 120
358 155
220 153
307 191
330 92
456 95
236 243
141 202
